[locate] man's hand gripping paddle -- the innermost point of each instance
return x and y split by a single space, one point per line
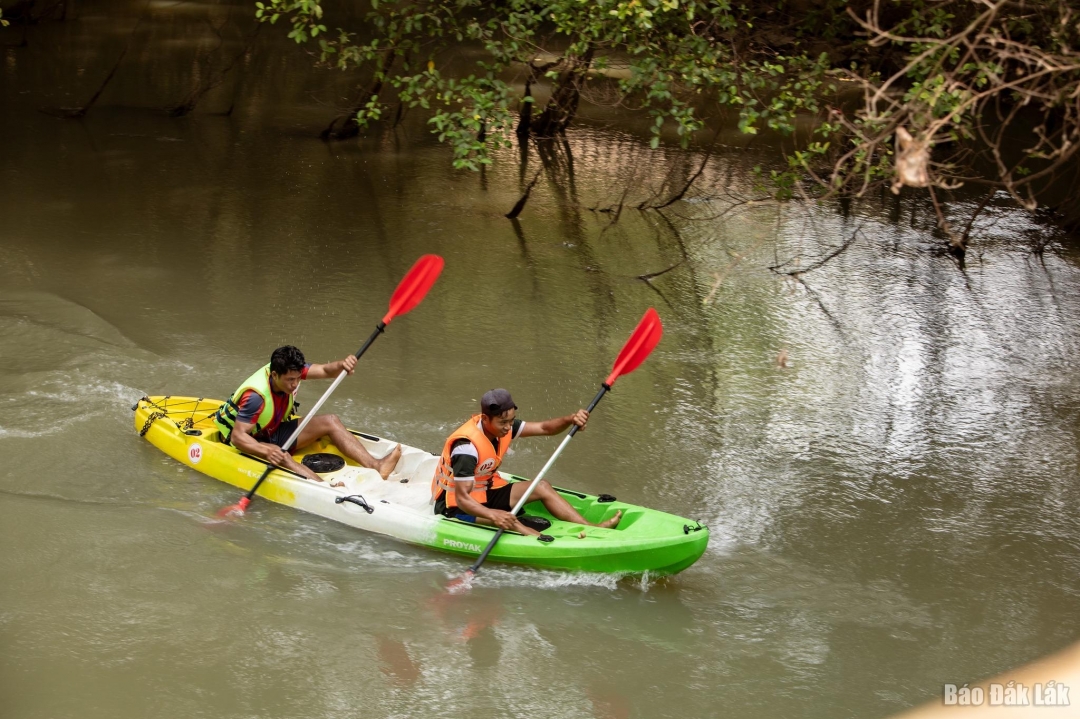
637 348
408 294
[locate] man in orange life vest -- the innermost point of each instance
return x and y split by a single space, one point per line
467 484
257 418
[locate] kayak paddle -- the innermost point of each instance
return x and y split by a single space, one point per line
645 337
408 294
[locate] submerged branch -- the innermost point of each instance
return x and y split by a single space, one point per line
520 204
819 263
685 188
649 276
213 79
719 277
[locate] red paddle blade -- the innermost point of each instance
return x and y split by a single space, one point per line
461 584
234 510
414 286
638 347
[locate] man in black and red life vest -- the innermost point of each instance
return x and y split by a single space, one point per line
467 484
258 418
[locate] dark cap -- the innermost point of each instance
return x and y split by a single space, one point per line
496 401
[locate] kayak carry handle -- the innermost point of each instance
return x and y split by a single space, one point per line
357 500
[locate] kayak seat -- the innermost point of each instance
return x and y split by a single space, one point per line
323 462
533 522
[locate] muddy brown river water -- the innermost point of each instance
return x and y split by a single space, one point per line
894 509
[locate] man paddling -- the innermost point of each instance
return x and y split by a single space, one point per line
258 420
467 484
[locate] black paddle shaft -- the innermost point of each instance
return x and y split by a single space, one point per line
604 388
379 328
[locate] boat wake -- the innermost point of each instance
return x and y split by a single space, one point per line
67 364
382 554
60 318
60 400
511 577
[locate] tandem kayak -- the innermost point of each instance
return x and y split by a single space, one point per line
646 540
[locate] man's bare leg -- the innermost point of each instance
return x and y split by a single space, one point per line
328 425
293 466
554 503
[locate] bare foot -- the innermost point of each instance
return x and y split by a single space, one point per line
613 522
387 463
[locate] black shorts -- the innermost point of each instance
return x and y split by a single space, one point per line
281 433
496 499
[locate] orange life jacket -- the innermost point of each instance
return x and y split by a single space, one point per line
487 462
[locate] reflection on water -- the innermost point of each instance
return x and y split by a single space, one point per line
892 507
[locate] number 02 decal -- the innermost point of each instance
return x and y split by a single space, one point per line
194 453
